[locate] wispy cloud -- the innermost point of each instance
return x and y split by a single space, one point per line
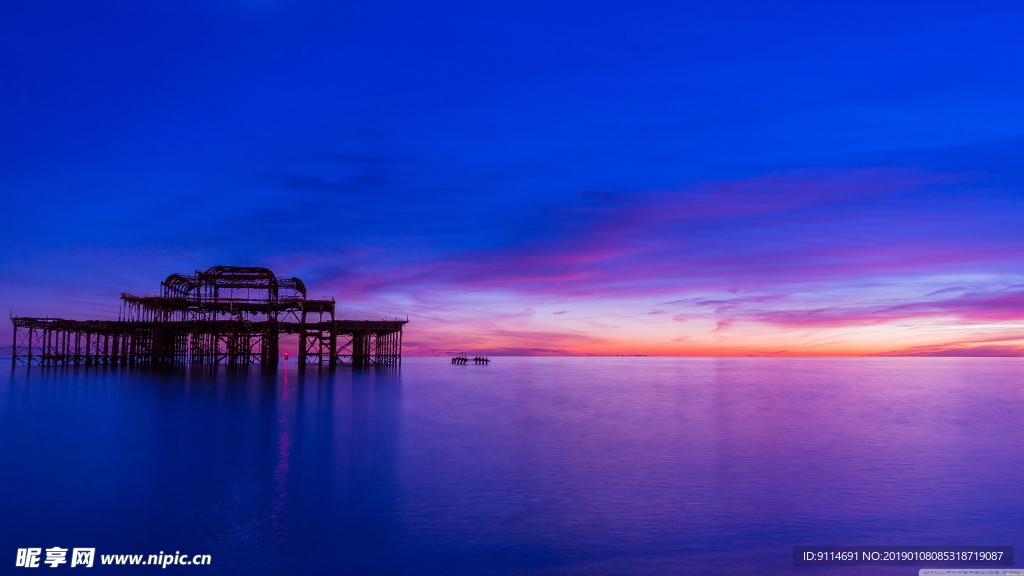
789 252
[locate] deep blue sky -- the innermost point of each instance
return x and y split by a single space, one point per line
537 177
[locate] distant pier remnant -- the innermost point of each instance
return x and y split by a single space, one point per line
463 359
224 315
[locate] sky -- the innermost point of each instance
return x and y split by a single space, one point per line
533 178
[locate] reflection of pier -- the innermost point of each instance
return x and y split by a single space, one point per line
224 315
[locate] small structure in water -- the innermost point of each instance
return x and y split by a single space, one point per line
463 359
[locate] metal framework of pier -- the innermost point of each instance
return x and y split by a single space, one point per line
224 315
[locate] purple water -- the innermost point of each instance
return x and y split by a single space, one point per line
525 466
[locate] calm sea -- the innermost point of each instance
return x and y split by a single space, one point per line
525 466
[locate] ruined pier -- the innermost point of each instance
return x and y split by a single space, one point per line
224 315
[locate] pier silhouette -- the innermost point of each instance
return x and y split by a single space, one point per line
223 315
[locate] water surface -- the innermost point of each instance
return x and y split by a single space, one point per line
525 466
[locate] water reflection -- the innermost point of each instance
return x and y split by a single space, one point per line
687 466
249 466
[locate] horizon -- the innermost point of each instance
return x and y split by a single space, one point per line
533 179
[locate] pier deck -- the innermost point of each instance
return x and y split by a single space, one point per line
59 342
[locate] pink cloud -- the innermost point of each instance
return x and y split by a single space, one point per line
824 231
752 234
998 306
946 350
